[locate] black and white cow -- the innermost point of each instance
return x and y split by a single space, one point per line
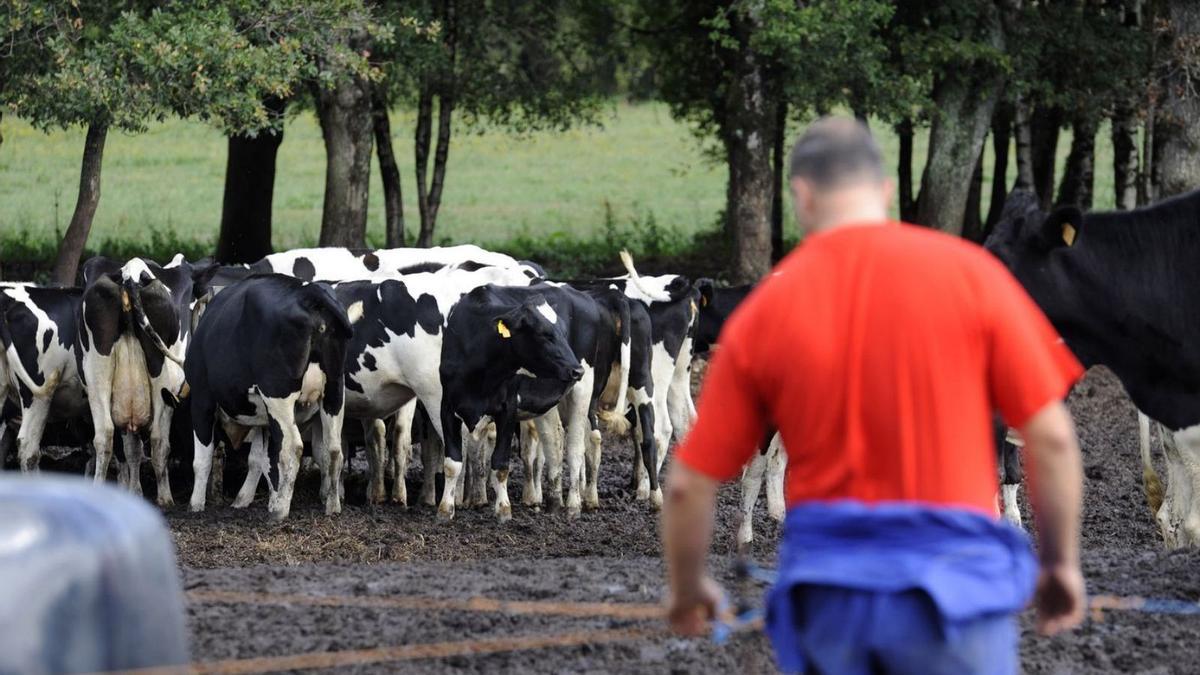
134 325
269 352
342 264
37 333
596 325
1115 285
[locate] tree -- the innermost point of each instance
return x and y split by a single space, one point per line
106 66
518 64
1178 124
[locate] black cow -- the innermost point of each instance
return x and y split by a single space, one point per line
134 324
1115 285
269 352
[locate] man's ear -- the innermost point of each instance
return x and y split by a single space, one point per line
707 288
1062 226
887 192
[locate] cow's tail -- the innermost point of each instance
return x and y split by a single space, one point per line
1150 479
654 295
614 420
131 303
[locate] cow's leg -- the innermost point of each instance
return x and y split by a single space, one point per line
452 465
284 447
574 409
647 438
478 446
1187 510
433 452
256 466
1151 483
679 403
552 438
400 451
752 480
375 433
531 451
1010 483
591 496
160 450
203 432
331 417
776 469
29 438
134 453
98 373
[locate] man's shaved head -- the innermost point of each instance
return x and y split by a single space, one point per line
836 151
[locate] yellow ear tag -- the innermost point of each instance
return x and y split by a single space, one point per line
1068 234
502 329
704 301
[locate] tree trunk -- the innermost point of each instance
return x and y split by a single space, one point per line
780 151
1044 129
972 224
908 205
429 196
1125 157
1179 122
66 264
249 191
1024 147
1146 174
1001 135
1078 176
345 114
751 115
389 173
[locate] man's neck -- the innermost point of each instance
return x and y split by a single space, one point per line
849 208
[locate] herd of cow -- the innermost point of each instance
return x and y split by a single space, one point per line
481 351
269 354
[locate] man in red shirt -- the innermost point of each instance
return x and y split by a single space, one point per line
879 350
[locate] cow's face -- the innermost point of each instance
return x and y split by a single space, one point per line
538 342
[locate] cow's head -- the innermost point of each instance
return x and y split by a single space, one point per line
1036 247
534 335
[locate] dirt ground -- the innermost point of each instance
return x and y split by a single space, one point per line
612 555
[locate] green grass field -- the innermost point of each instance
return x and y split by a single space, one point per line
639 162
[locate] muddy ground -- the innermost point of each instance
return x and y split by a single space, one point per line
612 555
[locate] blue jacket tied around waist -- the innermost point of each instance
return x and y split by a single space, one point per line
970 565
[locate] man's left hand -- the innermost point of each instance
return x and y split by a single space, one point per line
690 609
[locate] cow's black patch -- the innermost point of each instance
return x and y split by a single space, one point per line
369 362
371 262
46 341
471 265
168 398
304 269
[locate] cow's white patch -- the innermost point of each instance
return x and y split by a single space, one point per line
312 386
526 372
131 392
136 270
175 262
548 312
355 312
1012 510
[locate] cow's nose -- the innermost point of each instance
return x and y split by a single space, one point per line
577 373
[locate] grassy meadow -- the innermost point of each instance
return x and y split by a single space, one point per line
637 166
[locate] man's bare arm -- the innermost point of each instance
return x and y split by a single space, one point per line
1056 491
687 526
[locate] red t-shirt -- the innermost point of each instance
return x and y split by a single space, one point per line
880 353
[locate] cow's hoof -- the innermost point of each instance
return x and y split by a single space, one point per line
642 495
656 499
333 509
504 513
196 508
445 515
165 500
241 503
573 513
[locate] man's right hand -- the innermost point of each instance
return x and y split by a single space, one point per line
1060 599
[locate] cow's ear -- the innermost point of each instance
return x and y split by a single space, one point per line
707 288
202 276
1062 226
